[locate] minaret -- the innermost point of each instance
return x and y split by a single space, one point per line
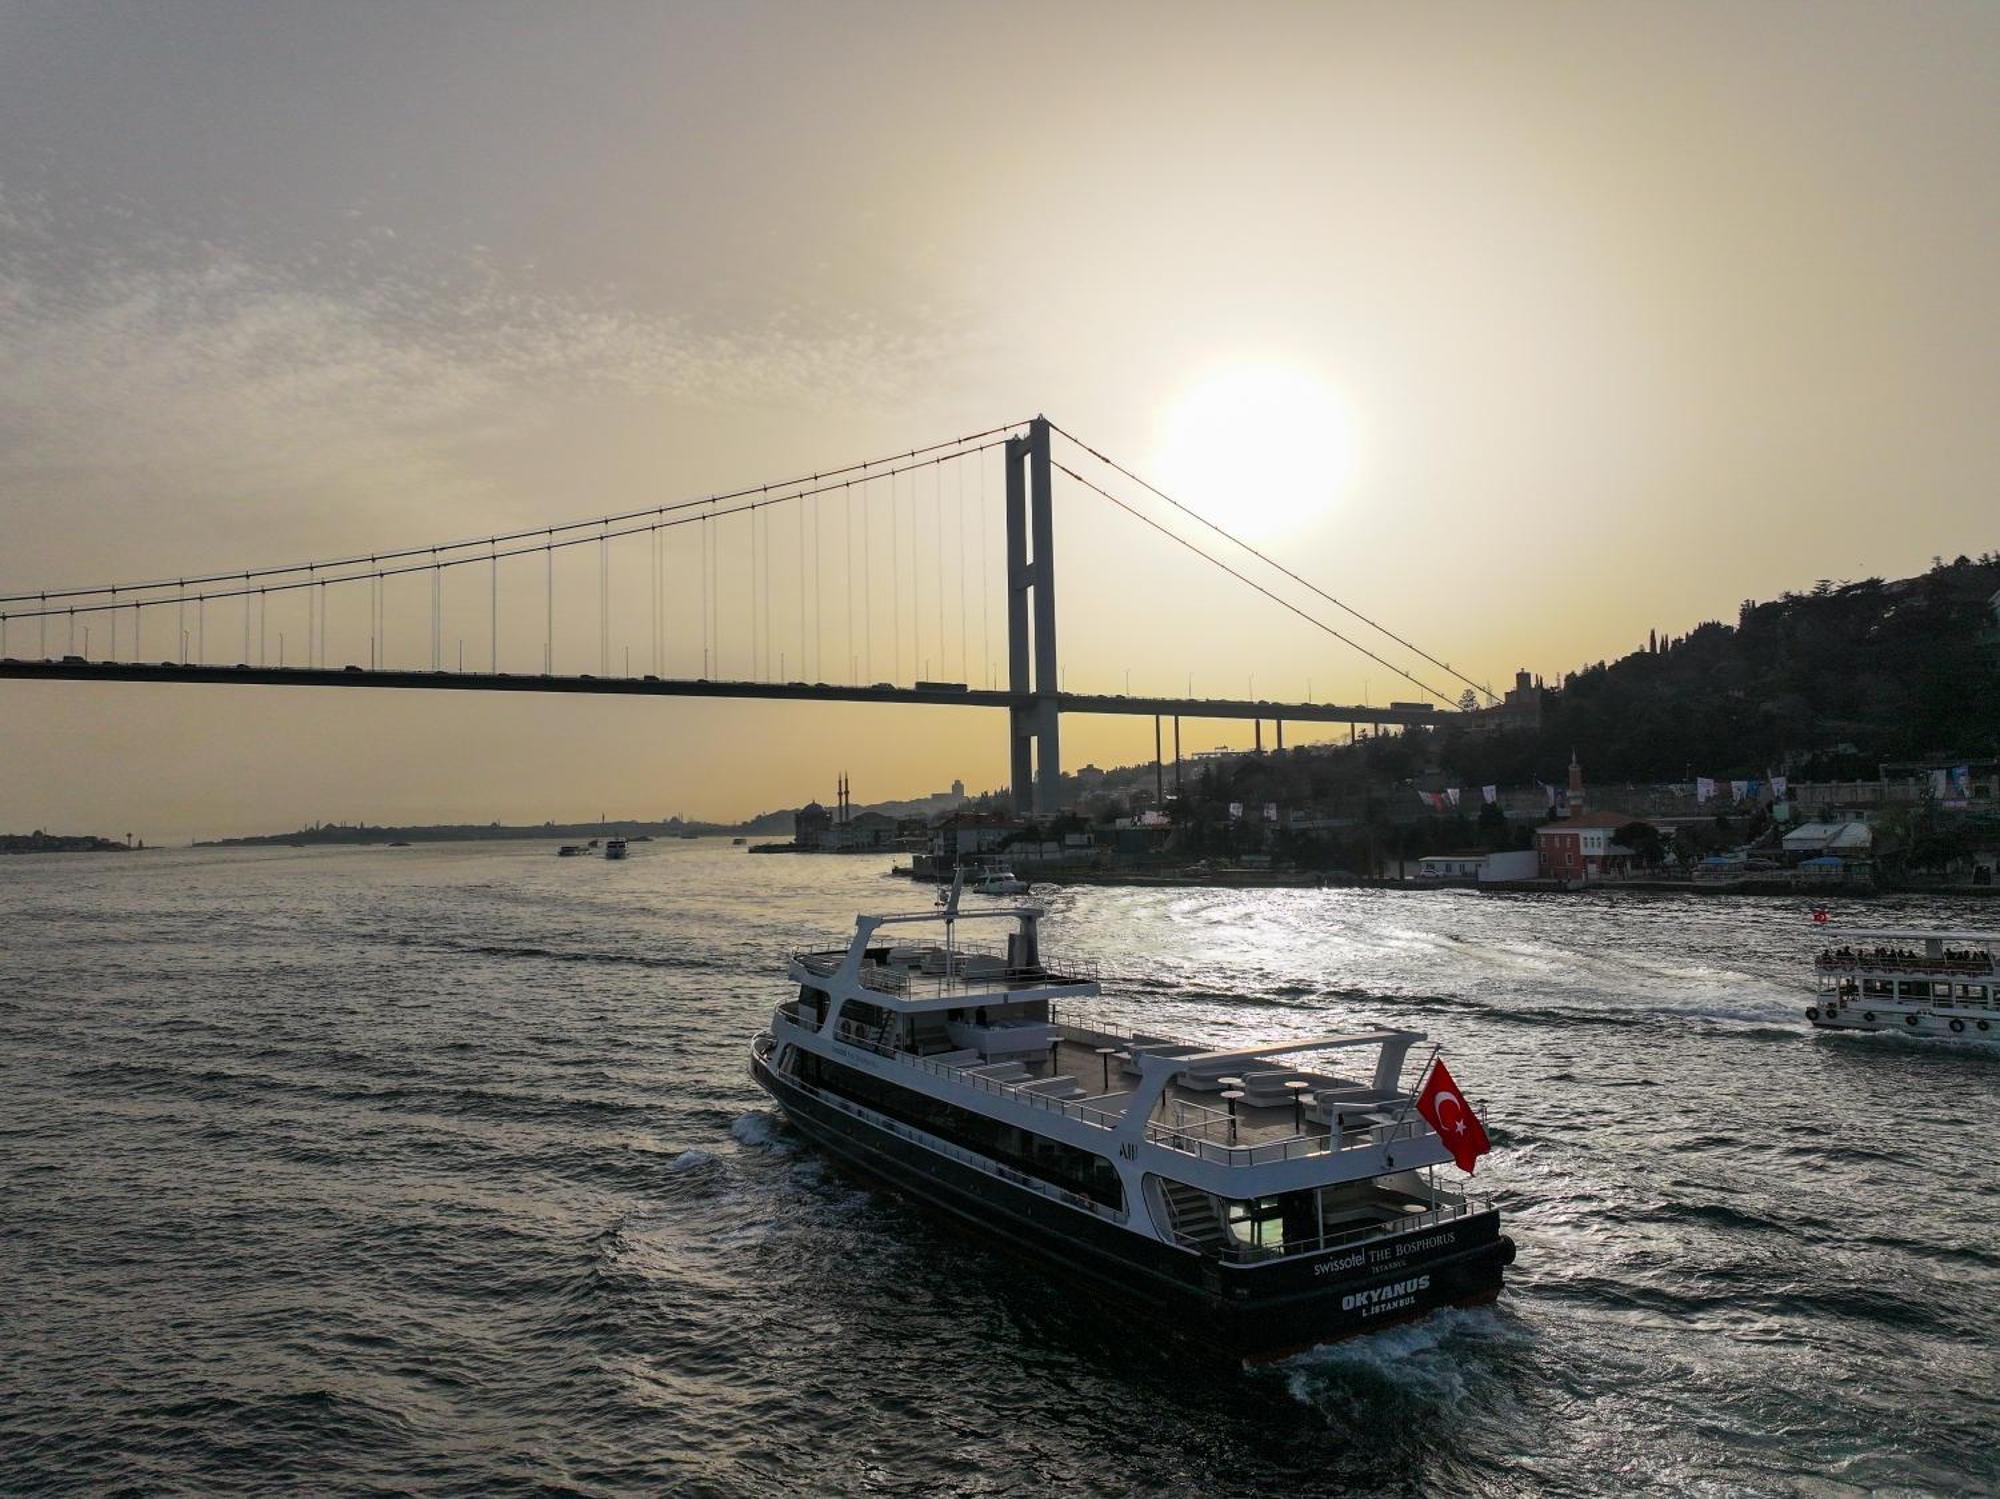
1575 785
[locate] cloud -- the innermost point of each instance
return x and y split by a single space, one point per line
139 370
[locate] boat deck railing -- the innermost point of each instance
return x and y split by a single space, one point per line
1976 965
942 974
1188 1128
1000 1169
1233 1251
870 1039
1210 1134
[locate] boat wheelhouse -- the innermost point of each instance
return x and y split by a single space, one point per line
1259 1199
1939 985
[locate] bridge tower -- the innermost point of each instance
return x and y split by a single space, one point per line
1034 733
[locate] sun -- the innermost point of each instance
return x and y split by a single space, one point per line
1260 449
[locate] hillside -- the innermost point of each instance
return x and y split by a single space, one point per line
1829 683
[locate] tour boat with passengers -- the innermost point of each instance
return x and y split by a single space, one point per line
1937 985
1259 1199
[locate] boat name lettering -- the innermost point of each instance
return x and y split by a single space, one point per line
1352 1261
1381 1299
1432 1241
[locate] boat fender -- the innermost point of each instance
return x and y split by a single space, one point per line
1506 1250
1869 1016
1909 1020
1982 1025
1958 1025
1812 1012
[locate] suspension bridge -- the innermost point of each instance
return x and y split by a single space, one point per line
766 592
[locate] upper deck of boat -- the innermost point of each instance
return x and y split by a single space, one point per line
916 973
1238 1107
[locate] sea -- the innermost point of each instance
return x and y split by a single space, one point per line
438 1170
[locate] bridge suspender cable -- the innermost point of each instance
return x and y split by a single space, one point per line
1251 582
373 558
380 574
1272 562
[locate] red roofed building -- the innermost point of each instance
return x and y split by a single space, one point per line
1580 848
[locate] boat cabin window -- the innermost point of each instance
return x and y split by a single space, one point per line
812 1005
1053 1161
1291 1218
864 1015
1260 1221
1878 988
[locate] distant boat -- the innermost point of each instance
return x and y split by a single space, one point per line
1936 985
400 843
690 835
614 848
571 850
739 841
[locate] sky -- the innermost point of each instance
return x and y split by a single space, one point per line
1522 330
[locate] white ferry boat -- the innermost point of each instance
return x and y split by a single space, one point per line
1934 984
1254 1204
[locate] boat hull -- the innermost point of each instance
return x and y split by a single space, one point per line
1886 1017
1249 1311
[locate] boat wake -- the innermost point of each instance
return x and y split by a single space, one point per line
1425 1363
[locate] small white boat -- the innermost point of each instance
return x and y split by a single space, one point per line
993 877
1938 985
614 848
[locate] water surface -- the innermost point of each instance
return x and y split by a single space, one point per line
439 1168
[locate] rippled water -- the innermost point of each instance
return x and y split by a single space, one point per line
342 1170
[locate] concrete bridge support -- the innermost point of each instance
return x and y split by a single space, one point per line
1034 726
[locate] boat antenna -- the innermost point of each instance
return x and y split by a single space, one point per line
949 900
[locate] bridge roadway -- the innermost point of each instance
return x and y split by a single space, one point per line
934 695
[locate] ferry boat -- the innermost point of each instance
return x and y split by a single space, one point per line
1258 1199
1939 985
614 848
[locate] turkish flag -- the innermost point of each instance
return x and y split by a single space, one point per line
1456 1124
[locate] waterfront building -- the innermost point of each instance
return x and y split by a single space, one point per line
811 825
1580 847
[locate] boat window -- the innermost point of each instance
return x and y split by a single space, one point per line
1067 1166
1261 1222
868 1017
1879 988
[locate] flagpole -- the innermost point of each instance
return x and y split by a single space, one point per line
1423 1072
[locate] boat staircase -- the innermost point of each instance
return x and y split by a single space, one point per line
1192 1218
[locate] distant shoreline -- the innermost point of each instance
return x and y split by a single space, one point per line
62 843
351 836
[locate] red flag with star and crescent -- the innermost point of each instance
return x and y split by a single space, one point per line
1441 1103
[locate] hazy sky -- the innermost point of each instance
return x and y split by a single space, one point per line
1582 320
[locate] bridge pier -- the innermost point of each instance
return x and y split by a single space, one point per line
1034 727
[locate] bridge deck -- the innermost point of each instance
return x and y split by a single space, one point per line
76 670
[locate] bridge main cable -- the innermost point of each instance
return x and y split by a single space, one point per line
500 538
1210 557
1273 562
